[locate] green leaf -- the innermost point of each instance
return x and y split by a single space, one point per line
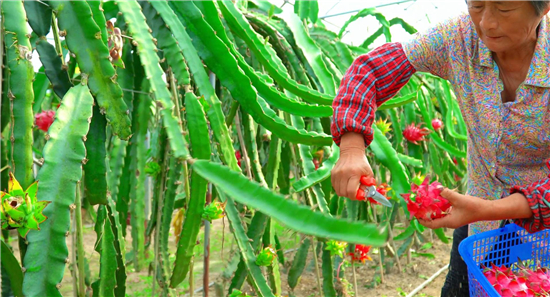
200 77
298 263
95 169
75 18
63 156
405 234
441 235
200 148
294 216
11 266
19 87
320 174
150 61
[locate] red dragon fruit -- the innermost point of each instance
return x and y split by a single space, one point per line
414 133
523 282
238 156
425 202
437 124
44 119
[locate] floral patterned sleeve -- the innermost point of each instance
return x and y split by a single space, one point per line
538 196
372 79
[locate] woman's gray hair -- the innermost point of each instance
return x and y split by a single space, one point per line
539 5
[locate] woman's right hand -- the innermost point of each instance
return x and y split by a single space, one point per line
351 165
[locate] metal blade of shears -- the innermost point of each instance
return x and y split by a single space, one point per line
372 193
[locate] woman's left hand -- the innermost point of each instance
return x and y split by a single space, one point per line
465 209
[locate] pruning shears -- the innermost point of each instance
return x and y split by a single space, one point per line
371 192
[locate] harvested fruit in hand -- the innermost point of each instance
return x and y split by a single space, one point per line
523 282
425 202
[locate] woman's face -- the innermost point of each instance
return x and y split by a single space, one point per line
504 25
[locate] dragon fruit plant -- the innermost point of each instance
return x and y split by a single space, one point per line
425 202
19 209
523 282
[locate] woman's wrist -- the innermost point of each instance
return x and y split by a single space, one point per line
352 141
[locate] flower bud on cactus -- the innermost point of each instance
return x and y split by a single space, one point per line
383 126
418 178
425 202
336 247
19 209
266 256
44 120
437 124
414 133
213 211
152 168
361 253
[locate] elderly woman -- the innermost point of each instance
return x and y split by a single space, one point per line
497 58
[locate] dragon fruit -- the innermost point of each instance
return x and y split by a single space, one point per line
523 282
44 120
437 124
415 133
425 202
238 156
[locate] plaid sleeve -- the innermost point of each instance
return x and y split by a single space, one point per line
372 79
538 196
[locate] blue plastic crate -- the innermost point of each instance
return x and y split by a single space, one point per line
502 247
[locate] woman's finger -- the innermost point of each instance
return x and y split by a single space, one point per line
352 187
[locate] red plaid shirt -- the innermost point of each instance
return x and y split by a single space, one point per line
377 76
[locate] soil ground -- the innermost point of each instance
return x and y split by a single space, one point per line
369 281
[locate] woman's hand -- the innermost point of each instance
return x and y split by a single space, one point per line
468 209
465 209
351 165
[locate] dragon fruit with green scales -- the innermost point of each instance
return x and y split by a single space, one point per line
425 201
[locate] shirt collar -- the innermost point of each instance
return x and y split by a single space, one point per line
539 71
